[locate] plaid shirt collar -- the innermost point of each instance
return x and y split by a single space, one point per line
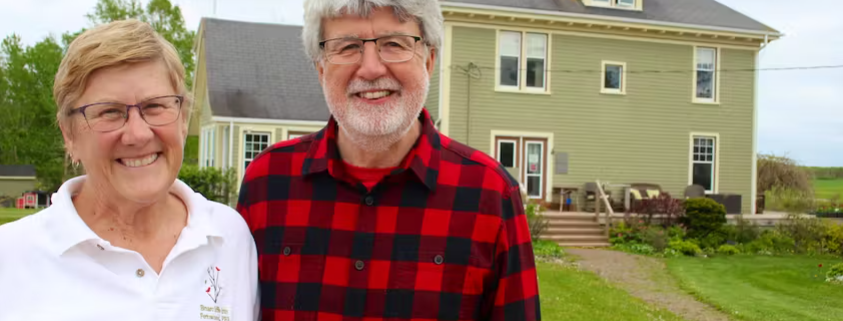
422 160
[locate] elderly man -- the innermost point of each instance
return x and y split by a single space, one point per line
378 216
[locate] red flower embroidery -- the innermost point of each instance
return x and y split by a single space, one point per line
218 268
208 290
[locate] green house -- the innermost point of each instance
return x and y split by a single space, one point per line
568 92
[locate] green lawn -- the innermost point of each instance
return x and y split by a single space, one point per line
828 188
12 214
569 294
763 288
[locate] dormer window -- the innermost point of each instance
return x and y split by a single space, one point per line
620 4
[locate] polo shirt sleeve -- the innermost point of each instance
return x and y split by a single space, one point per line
517 295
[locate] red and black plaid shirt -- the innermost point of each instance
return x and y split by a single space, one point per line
442 237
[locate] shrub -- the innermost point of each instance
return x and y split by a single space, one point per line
703 216
743 231
727 249
535 220
713 240
685 247
808 233
643 249
835 274
789 200
676 232
770 242
834 238
624 233
782 172
656 237
672 208
213 183
548 249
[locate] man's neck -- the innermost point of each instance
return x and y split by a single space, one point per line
377 152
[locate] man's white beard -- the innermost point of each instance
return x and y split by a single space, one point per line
376 128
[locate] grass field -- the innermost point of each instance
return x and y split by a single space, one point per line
12 214
765 288
570 294
828 188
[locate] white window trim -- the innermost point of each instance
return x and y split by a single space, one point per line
207 144
638 5
255 133
543 175
603 89
717 84
549 166
522 74
717 142
226 147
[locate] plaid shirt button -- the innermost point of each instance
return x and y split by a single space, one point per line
287 251
359 265
370 200
438 260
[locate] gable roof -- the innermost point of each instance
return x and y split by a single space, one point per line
259 70
692 12
17 170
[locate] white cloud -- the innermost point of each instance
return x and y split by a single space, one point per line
800 112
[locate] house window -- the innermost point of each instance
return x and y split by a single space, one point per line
506 153
515 72
536 58
626 3
614 78
706 78
254 144
510 57
207 149
703 162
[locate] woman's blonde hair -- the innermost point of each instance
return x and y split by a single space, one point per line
110 45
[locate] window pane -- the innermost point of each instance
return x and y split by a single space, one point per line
534 159
702 175
613 77
536 45
705 58
510 44
534 186
626 3
509 71
535 73
507 154
705 84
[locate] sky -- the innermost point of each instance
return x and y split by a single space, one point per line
800 111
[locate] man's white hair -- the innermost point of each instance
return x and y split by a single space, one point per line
426 12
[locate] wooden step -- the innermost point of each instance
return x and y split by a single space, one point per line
595 230
575 238
569 216
557 223
584 244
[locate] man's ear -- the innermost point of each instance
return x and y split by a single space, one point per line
320 69
431 62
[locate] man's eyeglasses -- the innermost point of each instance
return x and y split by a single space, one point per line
105 117
395 48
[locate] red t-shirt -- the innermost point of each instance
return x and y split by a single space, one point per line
368 176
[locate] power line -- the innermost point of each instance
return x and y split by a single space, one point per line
664 71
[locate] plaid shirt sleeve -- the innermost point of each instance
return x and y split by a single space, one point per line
517 294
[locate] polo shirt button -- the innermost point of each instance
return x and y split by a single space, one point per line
100 247
370 200
438 260
359 265
140 273
287 251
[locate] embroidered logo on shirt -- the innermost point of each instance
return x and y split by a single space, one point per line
213 290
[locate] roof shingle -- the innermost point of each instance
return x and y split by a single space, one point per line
258 70
694 12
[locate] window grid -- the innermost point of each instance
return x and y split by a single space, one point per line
254 144
706 65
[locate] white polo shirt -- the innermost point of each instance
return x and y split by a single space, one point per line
53 267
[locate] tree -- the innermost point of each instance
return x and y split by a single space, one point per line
28 131
164 17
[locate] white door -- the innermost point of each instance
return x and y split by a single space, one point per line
534 154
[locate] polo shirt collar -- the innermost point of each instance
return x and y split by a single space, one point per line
422 160
68 230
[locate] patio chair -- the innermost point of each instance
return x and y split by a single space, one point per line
694 191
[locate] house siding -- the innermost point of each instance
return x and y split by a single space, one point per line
643 136
432 103
14 187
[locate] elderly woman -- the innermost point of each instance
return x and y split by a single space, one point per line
127 241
